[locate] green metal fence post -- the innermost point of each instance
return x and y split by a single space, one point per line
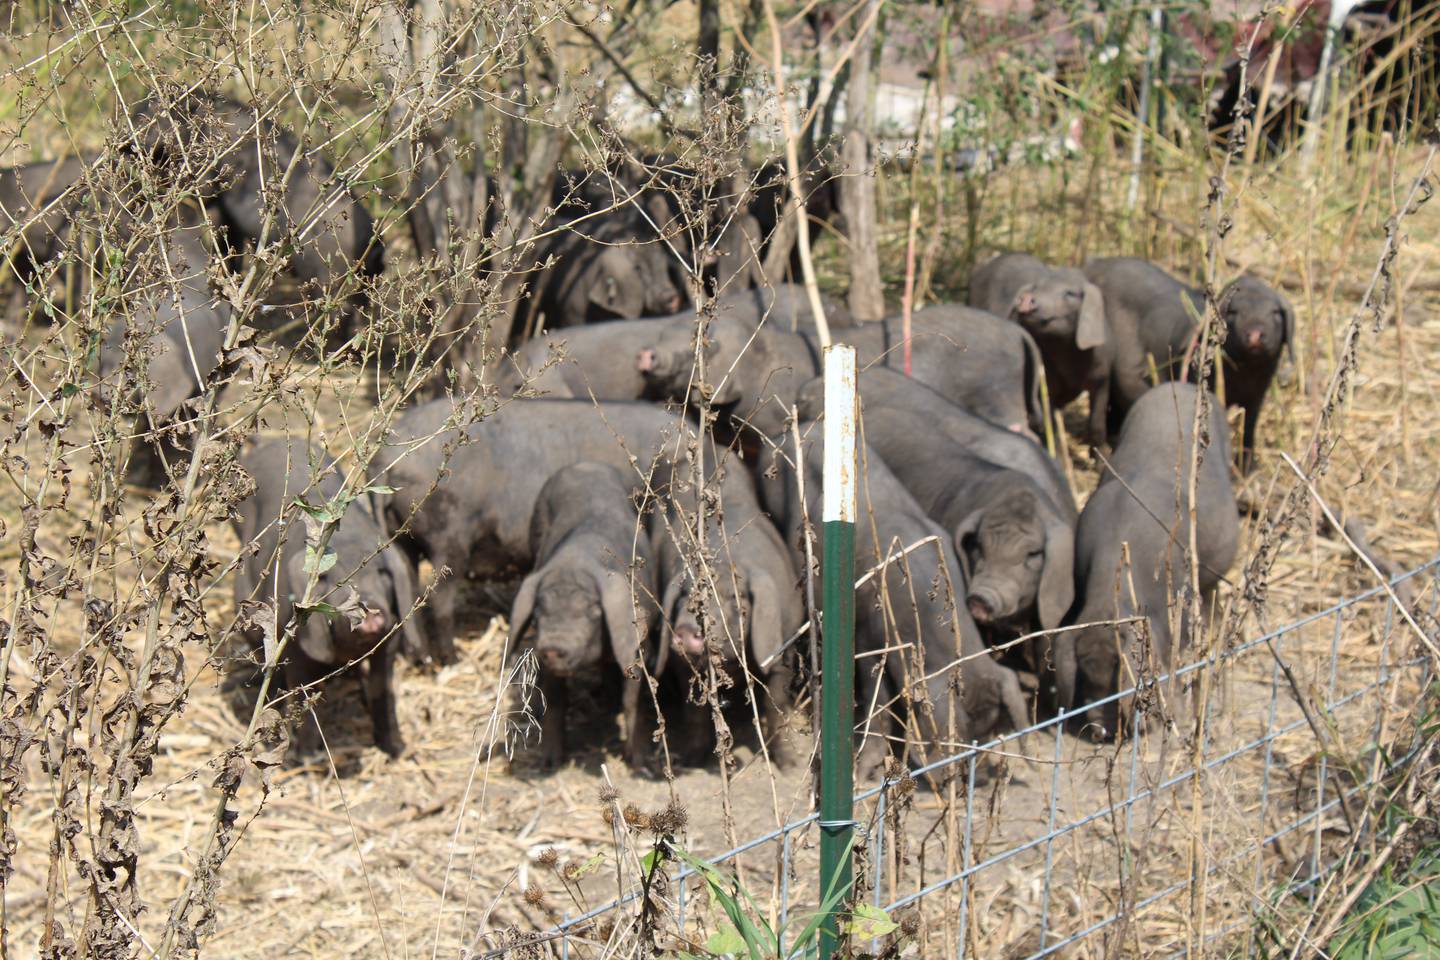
837 638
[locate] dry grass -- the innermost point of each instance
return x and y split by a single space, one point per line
446 848
396 858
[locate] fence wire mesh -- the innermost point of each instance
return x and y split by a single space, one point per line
1041 841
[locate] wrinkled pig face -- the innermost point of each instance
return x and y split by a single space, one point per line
1006 554
1257 319
375 595
569 624
1051 307
670 362
662 296
701 621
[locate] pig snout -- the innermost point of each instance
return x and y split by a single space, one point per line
1255 341
1025 303
373 624
645 360
554 660
982 607
673 303
688 640
979 610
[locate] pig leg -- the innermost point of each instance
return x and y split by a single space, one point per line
380 697
1247 443
295 674
777 701
552 727
1099 410
639 725
442 615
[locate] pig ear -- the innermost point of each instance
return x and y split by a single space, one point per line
402 582
314 636
1090 331
1287 326
524 606
316 639
670 597
964 529
767 630
1034 377
1057 577
614 286
626 634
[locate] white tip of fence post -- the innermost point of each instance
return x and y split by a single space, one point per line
841 464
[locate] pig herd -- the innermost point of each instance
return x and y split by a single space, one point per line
663 557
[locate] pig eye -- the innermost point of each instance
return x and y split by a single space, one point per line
1035 559
1073 295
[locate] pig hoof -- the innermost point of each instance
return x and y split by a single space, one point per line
394 746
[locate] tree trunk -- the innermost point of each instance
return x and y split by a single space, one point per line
857 186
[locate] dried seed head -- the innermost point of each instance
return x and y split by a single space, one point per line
608 793
670 820
548 857
608 815
636 818
534 895
910 924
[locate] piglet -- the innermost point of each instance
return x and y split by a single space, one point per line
1015 543
1143 504
370 584
734 611
588 597
1064 313
159 354
1153 318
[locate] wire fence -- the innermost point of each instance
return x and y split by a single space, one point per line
1041 842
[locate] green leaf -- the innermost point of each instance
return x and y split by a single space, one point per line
589 866
726 941
318 564
380 488
760 940
868 922
320 607
319 513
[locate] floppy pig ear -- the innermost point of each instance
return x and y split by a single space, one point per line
523 607
627 637
1034 377
767 630
1057 578
669 608
1287 328
1090 331
314 637
615 286
402 581
966 528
